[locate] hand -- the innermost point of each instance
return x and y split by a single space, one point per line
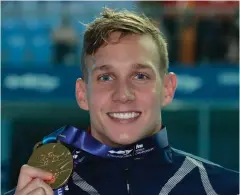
31 181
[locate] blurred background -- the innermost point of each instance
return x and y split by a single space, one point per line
40 48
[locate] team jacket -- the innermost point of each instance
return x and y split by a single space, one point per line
148 167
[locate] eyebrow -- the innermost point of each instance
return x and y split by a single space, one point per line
141 66
107 67
104 67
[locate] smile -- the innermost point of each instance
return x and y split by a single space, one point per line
124 115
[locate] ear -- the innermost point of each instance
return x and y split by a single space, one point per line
170 85
81 94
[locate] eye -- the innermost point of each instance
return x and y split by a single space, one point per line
105 77
141 76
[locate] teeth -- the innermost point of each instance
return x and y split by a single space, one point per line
126 115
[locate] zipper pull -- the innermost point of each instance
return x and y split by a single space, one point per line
128 188
127 181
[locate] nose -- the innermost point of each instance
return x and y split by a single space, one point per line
123 93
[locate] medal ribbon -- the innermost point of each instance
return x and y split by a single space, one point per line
84 141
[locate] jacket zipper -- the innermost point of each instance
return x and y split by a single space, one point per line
127 181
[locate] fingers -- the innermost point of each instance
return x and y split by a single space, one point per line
36 185
38 191
28 173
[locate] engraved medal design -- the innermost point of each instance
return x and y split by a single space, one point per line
55 158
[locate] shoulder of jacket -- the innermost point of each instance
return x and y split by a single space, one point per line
223 180
206 163
197 158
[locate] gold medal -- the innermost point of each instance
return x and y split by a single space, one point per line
54 158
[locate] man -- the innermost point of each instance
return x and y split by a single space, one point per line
126 151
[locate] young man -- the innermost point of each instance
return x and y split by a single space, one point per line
126 152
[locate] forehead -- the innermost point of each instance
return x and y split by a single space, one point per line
130 49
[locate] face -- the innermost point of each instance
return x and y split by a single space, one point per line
124 92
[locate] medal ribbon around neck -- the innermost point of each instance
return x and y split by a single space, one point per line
51 155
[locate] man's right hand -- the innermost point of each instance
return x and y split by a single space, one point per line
31 181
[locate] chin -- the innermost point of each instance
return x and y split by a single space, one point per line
124 139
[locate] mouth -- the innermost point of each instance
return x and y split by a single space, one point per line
124 117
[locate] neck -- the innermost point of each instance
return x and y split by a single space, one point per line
104 139
101 137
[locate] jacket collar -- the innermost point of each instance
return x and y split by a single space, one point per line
155 146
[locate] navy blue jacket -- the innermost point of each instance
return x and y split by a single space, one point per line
159 171
152 174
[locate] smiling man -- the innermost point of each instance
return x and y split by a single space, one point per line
125 86
126 152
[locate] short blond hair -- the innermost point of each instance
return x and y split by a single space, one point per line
125 22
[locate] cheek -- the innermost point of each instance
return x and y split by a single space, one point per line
155 100
152 95
158 91
99 97
157 94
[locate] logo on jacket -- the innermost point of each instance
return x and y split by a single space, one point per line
123 152
138 146
59 191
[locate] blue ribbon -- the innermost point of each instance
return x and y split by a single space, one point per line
84 141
